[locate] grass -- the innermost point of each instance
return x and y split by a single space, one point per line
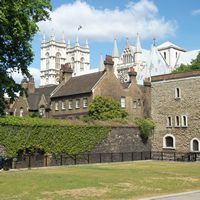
115 181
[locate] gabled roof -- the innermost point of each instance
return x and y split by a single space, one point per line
78 85
187 57
34 98
167 45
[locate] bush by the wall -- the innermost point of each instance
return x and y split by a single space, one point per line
48 135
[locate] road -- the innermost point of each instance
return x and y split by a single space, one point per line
195 195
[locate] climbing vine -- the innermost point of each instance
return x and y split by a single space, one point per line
49 136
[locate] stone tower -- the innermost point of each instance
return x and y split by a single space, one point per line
54 53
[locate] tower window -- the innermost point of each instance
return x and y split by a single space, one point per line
47 60
57 61
169 122
82 64
184 121
194 144
169 141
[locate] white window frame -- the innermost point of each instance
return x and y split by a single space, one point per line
182 121
179 120
177 93
85 102
123 102
70 104
169 119
164 142
63 105
56 106
191 145
77 105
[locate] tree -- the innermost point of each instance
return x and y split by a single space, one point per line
18 25
194 65
103 108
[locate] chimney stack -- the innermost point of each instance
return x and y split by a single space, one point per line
108 63
65 72
132 74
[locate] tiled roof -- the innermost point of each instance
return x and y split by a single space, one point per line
78 85
34 98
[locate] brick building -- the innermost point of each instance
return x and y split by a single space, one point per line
176 111
72 97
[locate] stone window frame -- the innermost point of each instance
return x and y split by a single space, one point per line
177 121
123 102
164 141
63 105
177 93
192 145
57 60
169 121
56 106
184 121
77 104
85 102
70 104
82 64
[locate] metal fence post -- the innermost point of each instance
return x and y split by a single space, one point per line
122 156
29 161
100 157
88 158
61 160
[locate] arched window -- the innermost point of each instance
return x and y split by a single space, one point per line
169 141
72 62
47 60
82 64
57 60
21 112
194 144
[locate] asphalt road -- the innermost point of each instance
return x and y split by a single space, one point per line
195 195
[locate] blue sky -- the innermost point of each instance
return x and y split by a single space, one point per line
176 21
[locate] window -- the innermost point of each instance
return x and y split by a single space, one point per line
169 141
184 121
21 112
177 93
42 111
82 64
139 102
85 103
47 60
72 62
123 102
176 54
134 104
177 121
70 104
56 105
194 144
165 55
63 105
57 60
77 103
169 121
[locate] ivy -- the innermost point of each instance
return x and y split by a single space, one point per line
19 134
146 127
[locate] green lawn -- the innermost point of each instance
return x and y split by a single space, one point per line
132 180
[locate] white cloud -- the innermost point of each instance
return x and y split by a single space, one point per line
33 71
105 24
196 12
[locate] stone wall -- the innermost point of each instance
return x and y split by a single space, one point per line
122 139
165 104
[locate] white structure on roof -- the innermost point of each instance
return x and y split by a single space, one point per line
54 53
158 60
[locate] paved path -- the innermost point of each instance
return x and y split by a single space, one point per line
195 195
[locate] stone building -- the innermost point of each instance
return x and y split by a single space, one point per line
33 100
175 109
72 97
54 53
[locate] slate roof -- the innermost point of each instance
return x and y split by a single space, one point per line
34 98
78 85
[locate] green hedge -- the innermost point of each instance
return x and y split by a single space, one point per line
48 135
